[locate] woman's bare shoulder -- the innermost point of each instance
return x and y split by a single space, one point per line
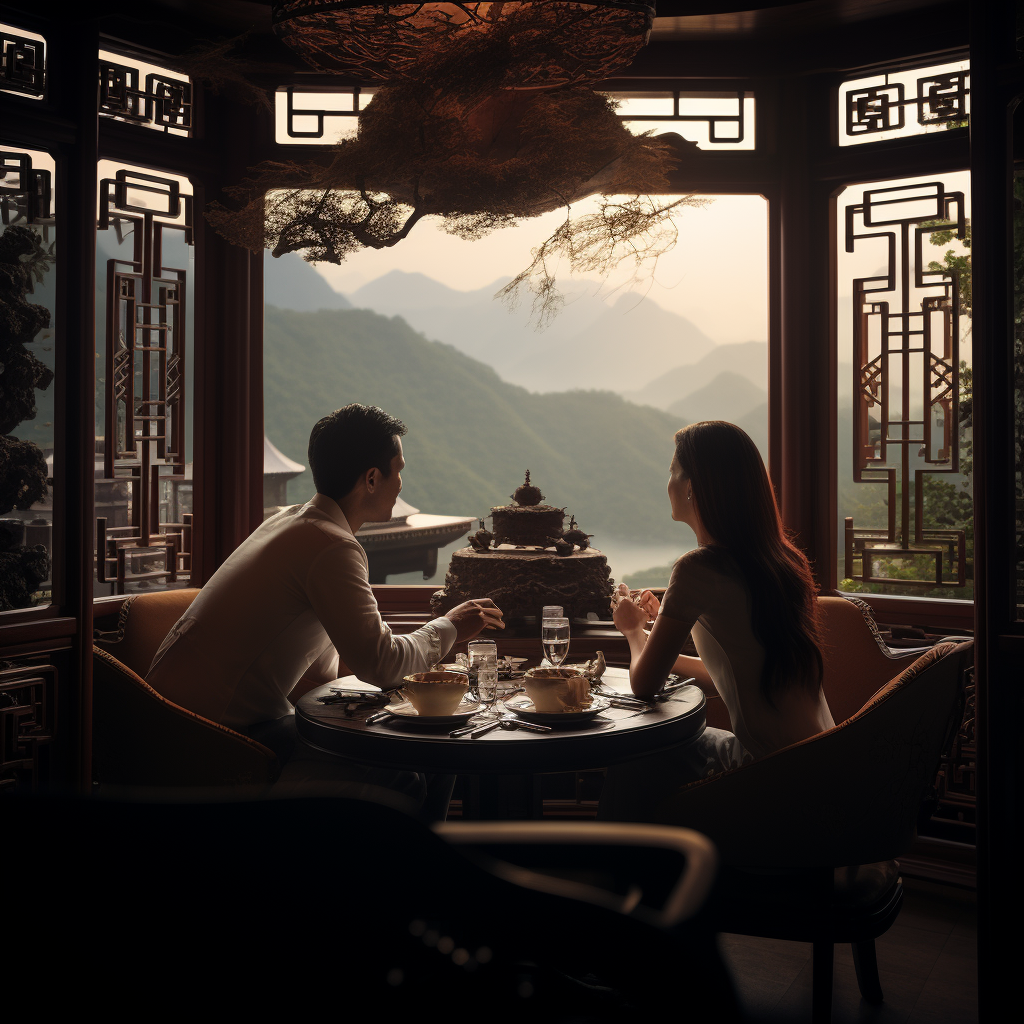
701 561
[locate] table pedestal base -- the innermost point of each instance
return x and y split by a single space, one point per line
501 797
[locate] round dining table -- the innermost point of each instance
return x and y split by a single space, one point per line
504 764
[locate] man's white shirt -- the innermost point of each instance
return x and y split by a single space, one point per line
293 597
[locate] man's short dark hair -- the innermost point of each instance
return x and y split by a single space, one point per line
347 443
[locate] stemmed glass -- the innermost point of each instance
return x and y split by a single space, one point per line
554 637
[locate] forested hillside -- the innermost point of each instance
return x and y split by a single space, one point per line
471 435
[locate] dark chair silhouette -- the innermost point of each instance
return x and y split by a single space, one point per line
807 835
274 905
141 739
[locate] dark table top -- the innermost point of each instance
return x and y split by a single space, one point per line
613 736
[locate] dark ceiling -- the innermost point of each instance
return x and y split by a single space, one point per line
693 38
700 17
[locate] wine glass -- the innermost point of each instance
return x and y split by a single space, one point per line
554 637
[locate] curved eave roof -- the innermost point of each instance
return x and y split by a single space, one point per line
274 461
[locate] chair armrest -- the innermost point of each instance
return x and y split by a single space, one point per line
686 897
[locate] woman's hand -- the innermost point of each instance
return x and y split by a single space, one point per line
646 600
628 616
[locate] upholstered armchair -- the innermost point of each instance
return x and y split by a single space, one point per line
857 661
806 834
142 740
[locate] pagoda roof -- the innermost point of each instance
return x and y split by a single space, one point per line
275 461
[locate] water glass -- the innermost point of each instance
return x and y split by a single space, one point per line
554 637
483 665
551 611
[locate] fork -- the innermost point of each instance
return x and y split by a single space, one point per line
510 721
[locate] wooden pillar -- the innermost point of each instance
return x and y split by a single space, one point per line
228 445
803 368
75 85
995 92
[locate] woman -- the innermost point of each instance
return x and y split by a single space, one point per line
747 597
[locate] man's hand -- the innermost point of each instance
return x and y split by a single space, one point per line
471 617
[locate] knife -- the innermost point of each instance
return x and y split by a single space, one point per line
475 730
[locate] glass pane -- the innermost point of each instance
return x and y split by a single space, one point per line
906 517
144 274
28 254
902 103
589 405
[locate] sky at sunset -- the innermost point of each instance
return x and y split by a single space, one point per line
716 276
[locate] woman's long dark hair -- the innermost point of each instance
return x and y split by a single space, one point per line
737 507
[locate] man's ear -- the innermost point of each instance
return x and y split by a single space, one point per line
371 479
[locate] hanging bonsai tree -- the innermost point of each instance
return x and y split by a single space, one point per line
23 260
451 141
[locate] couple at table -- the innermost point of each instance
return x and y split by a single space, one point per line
292 608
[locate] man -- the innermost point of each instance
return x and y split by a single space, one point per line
295 597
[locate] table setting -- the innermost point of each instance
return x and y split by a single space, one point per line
502 721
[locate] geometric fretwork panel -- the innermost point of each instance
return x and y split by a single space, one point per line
27 712
957 783
22 63
159 99
322 117
906 385
902 103
144 378
25 191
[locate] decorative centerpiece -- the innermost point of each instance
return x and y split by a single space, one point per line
527 560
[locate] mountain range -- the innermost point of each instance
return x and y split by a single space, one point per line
591 344
471 434
289 282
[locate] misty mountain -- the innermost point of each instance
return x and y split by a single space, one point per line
729 396
590 344
748 359
289 282
471 434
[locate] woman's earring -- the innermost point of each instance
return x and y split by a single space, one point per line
689 496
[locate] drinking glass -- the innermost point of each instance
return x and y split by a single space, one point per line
483 665
554 637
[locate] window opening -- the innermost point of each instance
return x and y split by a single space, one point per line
28 255
322 117
905 414
899 104
22 62
144 94
589 405
144 379
713 120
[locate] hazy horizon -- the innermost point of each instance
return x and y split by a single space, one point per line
716 276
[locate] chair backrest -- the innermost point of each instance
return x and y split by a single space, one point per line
145 620
857 663
850 795
142 739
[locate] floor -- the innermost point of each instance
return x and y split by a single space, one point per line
927 963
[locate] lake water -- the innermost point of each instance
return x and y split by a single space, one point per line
624 557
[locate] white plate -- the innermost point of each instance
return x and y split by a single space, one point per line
524 708
465 710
